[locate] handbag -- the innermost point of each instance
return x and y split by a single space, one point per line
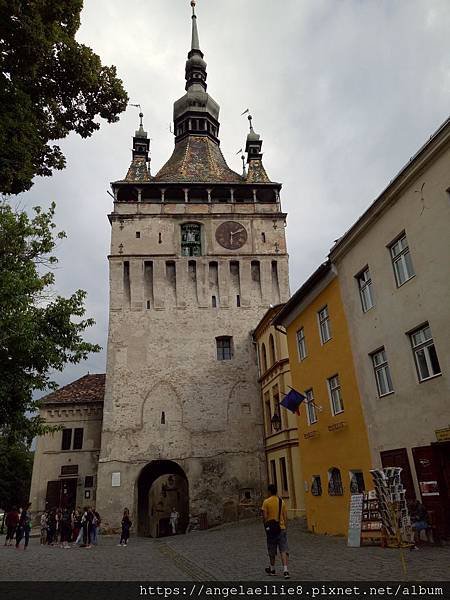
272 527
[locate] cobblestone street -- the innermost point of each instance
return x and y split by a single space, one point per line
230 553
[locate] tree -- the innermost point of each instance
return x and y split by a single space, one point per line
50 85
15 475
40 332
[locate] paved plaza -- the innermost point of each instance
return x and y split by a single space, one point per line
230 553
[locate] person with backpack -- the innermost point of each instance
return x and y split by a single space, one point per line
275 521
126 526
24 527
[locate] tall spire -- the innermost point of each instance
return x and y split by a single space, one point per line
196 113
195 65
195 44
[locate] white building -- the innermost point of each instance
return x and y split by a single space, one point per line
394 272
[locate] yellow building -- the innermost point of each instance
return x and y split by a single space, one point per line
280 426
333 443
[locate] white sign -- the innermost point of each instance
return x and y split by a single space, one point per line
115 479
354 525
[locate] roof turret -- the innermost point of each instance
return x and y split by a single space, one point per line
256 172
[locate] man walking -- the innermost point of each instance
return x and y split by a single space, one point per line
275 521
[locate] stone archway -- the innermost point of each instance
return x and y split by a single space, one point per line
161 486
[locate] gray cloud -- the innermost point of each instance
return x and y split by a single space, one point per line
343 93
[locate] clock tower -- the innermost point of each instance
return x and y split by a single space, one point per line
198 254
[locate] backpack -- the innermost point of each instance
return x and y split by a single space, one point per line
273 528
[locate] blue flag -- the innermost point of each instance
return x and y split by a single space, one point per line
292 401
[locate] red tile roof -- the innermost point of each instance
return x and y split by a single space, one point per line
90 388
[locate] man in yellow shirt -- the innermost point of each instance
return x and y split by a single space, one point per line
275 521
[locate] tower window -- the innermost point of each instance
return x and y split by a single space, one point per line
163 418
263 237
214 302
159 238
238 300
138 234
191 239
224 347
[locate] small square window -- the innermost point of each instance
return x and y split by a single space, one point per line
89 481
224 346
138 234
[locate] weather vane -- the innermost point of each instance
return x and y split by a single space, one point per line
141 114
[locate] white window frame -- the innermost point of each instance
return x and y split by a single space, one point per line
421 341
402 265
323 317
334 390
311 413
364 281
301 344
382 372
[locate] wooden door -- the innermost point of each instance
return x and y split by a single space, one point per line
399 458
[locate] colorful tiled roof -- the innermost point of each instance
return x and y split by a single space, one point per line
138 171
90 388
197 158
256 173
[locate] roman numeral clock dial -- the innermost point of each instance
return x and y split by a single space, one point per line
231 235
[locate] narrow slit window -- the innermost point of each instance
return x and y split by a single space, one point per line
214 302
238 300
163 418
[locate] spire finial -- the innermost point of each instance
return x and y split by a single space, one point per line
250 121
195 45
141 114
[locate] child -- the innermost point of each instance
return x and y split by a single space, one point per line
44 527
126 526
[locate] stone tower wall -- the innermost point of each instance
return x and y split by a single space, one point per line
167 396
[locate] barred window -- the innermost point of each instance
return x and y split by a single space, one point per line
335 487
316 486
357 485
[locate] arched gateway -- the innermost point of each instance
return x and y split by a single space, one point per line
161 486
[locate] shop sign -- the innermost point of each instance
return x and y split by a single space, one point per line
443 435
336 426
429 488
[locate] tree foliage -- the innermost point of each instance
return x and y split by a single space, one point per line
40 332
16 462
50 85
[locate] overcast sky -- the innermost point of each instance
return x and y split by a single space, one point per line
343 93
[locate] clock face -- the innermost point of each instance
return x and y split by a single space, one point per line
231 235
